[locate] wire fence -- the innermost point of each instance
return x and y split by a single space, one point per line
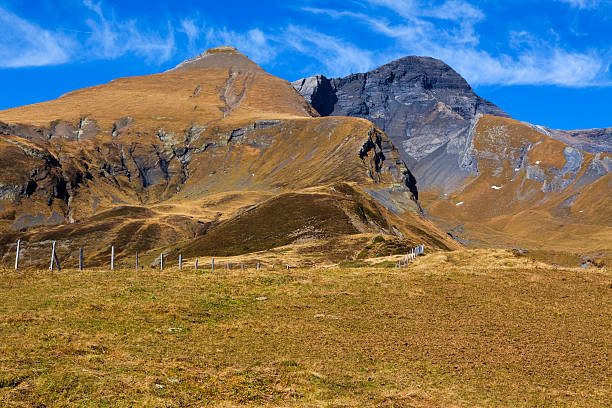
54 262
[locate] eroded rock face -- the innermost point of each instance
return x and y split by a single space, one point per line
589 140
425 107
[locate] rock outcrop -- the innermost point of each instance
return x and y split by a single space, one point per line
589 140
426 108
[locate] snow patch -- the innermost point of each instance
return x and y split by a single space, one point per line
496 187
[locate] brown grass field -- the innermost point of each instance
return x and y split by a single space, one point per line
455 329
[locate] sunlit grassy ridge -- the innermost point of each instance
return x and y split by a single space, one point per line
476 328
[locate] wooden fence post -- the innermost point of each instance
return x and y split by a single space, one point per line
80 259
112 257
54 259
52 255
161 261
17 255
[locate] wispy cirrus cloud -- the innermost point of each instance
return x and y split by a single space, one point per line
416 29
447 29
191 29
584 4
111 38
337 56
25 44
255 43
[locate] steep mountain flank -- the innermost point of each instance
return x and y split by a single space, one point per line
423 105
531 191
145 162
482 176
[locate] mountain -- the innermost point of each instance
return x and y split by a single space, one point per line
411 100
482 176
193 157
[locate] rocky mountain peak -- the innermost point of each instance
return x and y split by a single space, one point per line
423 105
400 80
221 57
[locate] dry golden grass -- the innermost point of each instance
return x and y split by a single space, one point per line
480 328
172 100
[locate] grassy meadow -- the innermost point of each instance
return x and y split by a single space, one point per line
456 329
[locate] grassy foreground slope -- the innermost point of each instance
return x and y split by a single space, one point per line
476 328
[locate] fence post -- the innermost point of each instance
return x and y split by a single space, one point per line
136 260
242 267
227 266
196 264
212 268
54 259
80 259
180 262
52 256
112 257
258 266
161 261
17 255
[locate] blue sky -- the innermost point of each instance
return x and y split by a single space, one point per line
546 62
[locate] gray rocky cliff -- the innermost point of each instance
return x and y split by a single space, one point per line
426 108
589 140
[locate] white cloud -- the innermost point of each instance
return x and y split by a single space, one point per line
112 38
337 56
254 43
25 44
583 4
417 30
191 29
444 29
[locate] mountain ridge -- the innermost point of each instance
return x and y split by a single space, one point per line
483 176
137 162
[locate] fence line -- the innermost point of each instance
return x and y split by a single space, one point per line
402 263
410 256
